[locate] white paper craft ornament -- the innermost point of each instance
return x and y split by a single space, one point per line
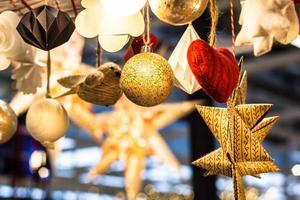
184 77
265 20
12 46
113 31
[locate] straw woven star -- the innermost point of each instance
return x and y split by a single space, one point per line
240 130
133 135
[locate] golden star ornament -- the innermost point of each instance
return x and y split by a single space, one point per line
133 136
240 130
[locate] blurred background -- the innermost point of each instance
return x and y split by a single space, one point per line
27 171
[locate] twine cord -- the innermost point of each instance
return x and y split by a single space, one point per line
99 54
74 7
57 4
48 93
24 2
146 35
232 25
214 14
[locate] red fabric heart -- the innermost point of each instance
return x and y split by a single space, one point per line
297 1
137 44
215 69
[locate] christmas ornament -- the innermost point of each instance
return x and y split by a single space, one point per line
113 31
85 25
101 87
47 121
215 69
178 12
138 43
123 7
184 77
133 135
240 130
46 27
66 60
8 122
12 46
28 77
257 30
147 79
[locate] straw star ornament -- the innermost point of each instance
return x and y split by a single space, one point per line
133 136
239 129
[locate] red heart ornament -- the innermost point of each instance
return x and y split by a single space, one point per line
296 1
215 69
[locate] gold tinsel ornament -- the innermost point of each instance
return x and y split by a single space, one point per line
240 129
147 79
8 122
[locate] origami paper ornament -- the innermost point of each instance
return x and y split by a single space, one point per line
101 87
8 122
47 121
215 69
113 31
12 46
147 79
240 130
123 7
133 136
138 43
257 30
184 77
46 27
178 12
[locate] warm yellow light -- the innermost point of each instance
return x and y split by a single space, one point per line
296 170
37 159
43 172
123 7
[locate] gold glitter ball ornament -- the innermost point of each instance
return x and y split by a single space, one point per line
178 12
8 122
147 79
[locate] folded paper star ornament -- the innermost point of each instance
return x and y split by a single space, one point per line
239 129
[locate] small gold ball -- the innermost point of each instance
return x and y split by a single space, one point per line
147 79
178 12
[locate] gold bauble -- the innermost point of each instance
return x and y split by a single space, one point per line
8 122
178 12
47 121
147 79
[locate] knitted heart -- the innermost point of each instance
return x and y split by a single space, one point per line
215 69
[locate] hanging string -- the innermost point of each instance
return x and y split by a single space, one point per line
57 4
232 25
26 4
48 93
74 7
146 35
98 54
13 3
214 14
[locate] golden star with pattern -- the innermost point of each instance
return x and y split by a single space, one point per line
239 129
